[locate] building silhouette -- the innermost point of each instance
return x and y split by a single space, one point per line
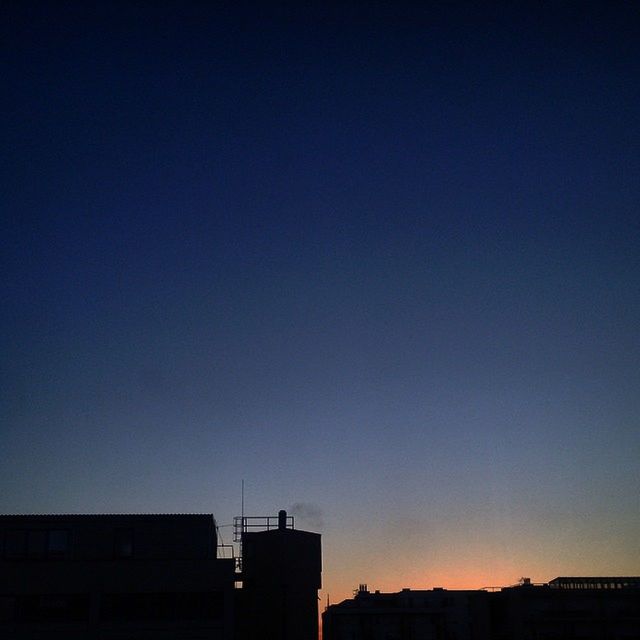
281 571
161 577
575 608
157 577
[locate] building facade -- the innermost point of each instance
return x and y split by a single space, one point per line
281 575
573 608
114 576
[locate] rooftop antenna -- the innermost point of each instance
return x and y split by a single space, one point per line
242 526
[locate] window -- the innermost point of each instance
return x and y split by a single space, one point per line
36 544
7 608
58 544
15 544
162 606
123 543
52 608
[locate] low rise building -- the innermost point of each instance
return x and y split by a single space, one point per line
114 576
574 608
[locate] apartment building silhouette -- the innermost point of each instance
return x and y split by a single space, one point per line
144 577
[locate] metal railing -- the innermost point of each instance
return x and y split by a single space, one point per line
246 524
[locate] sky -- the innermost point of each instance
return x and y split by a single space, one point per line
381 262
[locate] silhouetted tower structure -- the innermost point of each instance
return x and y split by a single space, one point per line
281 569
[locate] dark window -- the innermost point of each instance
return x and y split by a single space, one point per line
36 544
7 608
50 608
15 544
58 544
162 606
123 543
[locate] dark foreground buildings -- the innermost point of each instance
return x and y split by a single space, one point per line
160 577
155 577
563 609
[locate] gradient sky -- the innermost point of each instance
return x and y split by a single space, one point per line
380 263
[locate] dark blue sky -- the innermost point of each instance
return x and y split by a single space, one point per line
381 261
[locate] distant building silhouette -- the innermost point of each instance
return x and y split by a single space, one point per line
424 615
565 608
155 577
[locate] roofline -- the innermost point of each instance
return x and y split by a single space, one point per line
105 515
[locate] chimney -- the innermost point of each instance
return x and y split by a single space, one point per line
282 520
